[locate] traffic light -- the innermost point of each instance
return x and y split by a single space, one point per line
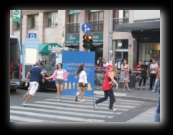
87 40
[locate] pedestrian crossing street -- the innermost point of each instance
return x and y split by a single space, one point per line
67 110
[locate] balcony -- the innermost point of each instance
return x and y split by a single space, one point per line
119 21
96 26
72 28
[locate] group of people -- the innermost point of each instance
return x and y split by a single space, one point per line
60 75
152 70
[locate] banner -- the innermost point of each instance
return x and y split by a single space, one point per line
71 61
16 15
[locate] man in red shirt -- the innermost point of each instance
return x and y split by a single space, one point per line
107 88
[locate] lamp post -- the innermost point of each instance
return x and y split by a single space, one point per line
21 27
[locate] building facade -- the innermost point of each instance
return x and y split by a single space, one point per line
117 34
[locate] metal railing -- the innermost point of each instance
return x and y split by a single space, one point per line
96 26
72 28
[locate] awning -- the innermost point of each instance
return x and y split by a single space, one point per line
128 27
45 49
74 11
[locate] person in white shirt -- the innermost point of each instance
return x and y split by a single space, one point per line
153 70
105 64
82 83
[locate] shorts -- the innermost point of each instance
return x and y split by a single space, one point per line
33 86
80 84
61 82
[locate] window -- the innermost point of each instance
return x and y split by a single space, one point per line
121 16
74 25
122 44
34 21
52 19
17 25
96 20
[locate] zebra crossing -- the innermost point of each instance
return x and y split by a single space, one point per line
67 110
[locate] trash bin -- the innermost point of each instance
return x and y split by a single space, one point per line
132 80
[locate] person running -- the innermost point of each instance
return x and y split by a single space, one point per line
114 72
35 73
82 83
143 77
107 88
59 76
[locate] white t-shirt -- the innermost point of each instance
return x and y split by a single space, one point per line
153 66
105 64
82 73
60 75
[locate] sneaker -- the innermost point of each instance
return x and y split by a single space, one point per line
94 104
153 90
24 104
112 109
138 88
143 88
58 99
82 100
76 99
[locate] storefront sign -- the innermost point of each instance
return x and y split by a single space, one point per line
97 37
72 39
16 15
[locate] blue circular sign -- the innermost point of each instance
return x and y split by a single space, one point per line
86 27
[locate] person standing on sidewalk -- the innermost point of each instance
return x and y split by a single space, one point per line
35 73
143 75
82 83
60 75
153 71
157 112
124 75
107 88
157 81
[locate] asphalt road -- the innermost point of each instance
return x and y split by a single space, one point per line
44 107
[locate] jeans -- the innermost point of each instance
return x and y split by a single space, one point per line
110 94
152 80
156 84
156 117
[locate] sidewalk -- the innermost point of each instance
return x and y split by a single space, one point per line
135 94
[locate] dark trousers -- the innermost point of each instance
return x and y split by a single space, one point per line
152 80
142 78
110 94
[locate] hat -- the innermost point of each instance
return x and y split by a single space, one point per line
109 66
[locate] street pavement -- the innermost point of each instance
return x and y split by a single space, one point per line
143 95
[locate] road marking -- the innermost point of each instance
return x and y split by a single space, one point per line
63 112
55 116
77 105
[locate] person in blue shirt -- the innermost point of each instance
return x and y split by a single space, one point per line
157 112
35 76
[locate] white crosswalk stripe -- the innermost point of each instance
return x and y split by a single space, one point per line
67 110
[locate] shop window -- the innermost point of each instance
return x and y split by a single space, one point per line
52 19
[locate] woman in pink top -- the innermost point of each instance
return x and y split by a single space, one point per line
59 76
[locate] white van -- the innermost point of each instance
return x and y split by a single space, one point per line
15 63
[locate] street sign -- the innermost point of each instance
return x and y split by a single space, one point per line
31 35
86 27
